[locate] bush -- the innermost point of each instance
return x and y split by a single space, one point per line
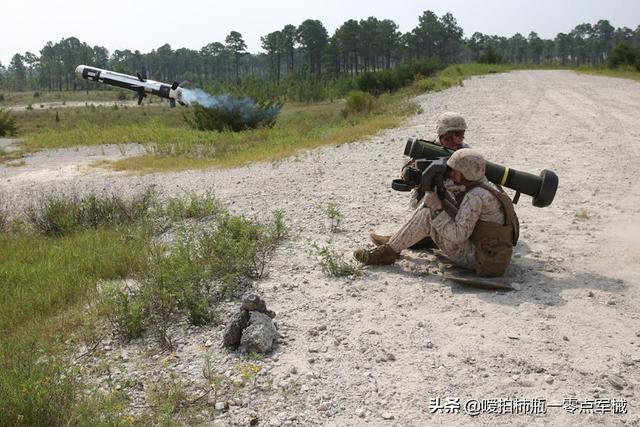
228 113
7 123
125 313
621 55
377 83
427 85
358 102
490 57
389 80
1 97
334 264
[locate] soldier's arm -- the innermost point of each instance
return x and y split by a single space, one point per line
459 229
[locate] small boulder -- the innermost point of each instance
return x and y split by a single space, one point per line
233 331
259 336
252 302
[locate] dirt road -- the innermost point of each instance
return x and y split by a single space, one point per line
383 348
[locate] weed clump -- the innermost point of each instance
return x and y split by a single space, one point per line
334 215
334 264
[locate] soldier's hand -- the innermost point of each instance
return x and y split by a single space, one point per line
432 201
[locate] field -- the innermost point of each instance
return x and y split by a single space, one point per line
368 347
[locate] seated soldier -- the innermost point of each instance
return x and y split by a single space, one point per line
450 128
479 236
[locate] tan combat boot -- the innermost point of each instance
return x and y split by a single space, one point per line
381 255
379 239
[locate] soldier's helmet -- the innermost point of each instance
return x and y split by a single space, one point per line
450 121
468 162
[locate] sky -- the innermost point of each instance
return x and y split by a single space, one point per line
26 25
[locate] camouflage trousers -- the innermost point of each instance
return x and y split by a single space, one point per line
419 226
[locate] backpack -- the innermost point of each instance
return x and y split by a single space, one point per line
494 242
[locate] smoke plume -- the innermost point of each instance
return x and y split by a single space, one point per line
244 112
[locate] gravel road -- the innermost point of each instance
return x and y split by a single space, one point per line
378 349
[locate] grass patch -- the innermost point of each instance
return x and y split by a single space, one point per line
454 75
297 129
45 282
64 120
50 269
622 72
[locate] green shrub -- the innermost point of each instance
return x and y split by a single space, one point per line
191 206
491 57
622 55
334 264
125 313
427 85
391 80
1 97
228 113
58 216
7 123
335 217
358 102
410 71
369 82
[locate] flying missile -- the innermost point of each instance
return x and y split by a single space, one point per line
139 84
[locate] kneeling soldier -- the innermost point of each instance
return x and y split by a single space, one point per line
478 236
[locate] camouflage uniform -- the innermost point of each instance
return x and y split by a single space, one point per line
449 185
452 234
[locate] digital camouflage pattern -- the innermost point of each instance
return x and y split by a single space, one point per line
452 234
468 162
450 121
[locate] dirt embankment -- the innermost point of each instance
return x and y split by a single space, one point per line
377 349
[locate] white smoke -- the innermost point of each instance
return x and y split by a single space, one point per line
246 107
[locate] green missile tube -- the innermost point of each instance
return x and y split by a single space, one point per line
541 188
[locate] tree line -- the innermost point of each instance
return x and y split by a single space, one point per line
307 51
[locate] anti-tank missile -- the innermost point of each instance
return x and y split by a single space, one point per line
541 188
140 84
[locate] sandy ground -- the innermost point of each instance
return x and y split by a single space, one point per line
381 349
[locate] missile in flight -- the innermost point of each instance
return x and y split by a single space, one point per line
139 84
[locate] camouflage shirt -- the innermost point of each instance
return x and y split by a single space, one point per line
452 234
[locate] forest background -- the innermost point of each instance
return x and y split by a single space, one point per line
304 63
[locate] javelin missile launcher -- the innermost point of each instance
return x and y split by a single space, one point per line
430 165
139 84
